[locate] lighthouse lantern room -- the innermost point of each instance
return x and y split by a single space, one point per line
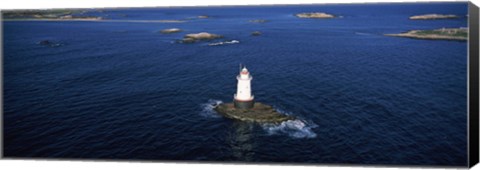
244 98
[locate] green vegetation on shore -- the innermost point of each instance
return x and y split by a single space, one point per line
445 32
460 34
29 14
53 14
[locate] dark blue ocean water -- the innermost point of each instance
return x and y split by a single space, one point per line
121 90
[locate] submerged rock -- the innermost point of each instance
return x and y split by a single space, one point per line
49 43
315 15
256 33
191 38
44 42
166 21
170 30
260 113
258 21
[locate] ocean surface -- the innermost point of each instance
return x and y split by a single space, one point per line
123 91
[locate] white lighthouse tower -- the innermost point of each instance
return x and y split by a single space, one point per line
244 98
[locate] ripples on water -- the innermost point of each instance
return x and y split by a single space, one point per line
118 90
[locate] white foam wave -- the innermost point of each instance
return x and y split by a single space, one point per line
207 108
225 42
294 128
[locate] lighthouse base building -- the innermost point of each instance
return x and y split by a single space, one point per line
243 99
243 104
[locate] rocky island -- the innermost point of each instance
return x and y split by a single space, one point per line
260 113
318 15
191 38
432 17
458 34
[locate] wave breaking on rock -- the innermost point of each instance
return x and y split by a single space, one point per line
294 128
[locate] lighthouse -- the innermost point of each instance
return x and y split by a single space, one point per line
244 108
243 99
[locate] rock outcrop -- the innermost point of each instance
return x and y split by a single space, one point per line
170 30
319 15
49 43
260 113
256 33
432 16
191 38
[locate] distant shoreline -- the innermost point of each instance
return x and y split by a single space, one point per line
97 20
31 19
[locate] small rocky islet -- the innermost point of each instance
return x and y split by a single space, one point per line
260 113
315 15
203 16
170 30
433 17
458 34
455 34
49 43
195 37
256 33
